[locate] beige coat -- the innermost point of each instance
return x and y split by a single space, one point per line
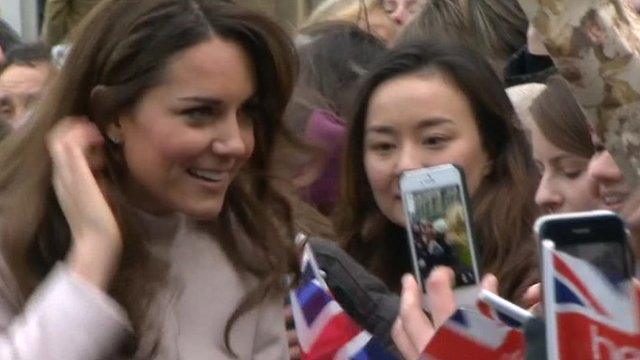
69 319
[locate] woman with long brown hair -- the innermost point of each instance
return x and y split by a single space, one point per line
428 104
139 199
561 143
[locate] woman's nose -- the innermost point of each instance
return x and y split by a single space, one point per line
602 168
229 139
546 196
409 159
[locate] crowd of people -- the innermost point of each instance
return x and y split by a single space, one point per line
158 163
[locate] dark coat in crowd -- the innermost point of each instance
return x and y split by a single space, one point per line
362 295
524 67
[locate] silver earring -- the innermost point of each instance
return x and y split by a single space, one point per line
115 140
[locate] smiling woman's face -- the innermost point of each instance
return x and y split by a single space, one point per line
614 191
186 139
417 121
611 187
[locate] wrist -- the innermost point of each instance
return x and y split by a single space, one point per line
94 264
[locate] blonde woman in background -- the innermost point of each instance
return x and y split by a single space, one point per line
403 11
370 15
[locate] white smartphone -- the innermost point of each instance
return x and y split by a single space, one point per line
598 237
439 227
506 311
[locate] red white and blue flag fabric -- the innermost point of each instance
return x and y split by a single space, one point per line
324 330
588 317
491 312
478 334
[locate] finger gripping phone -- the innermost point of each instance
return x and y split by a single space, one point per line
439 223
598 237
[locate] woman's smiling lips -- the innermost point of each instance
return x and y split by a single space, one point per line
614 199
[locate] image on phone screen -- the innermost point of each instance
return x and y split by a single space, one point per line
438 232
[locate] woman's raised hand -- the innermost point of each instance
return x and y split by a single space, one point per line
413 330
76 149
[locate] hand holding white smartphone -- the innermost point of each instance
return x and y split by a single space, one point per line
439 226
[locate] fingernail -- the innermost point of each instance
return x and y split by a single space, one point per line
406 278
446 271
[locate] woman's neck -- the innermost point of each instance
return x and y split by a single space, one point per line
138 197
139 214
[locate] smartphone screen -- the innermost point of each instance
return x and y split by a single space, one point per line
597 237
439 232
606 256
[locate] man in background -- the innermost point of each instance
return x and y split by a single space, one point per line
22 77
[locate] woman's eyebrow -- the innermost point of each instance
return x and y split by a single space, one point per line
380 129
425 123
432 122
202 100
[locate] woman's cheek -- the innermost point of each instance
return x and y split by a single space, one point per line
377 173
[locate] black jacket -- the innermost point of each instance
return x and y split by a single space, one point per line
362 295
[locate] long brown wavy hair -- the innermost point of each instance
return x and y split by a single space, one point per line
122 48
503 206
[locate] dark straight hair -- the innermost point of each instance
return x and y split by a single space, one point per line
29 55
503 206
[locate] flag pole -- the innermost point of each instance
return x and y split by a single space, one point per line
548 284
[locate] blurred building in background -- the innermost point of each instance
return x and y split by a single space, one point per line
26 16
23 16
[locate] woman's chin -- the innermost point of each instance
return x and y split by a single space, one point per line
202 212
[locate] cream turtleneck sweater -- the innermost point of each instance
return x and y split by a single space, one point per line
69 319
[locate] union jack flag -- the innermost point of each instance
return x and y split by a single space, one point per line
324 330
588 317
472 334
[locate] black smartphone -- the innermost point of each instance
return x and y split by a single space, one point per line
599 237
